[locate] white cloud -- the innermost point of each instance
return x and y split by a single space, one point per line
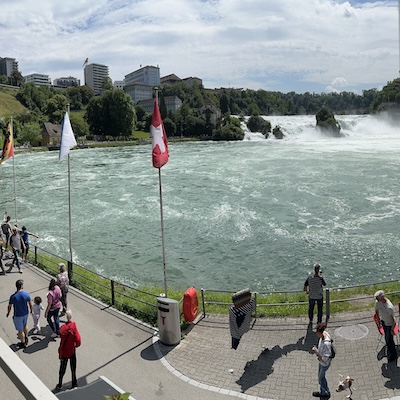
283 45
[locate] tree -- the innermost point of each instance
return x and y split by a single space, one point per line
112 114
55 108
170 127
79 125
30 133
224 103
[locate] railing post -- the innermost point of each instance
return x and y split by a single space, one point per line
328 304
255 305
70 271
36 262
112 292
203 302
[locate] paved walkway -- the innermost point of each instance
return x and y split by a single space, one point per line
273 360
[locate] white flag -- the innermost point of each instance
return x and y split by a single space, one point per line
67 138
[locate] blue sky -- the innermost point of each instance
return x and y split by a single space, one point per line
279 45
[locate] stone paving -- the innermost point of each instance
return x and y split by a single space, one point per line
274 359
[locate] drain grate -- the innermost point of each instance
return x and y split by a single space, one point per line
352 332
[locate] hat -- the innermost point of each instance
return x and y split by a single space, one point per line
379 293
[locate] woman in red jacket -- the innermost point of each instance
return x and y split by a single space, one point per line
70 340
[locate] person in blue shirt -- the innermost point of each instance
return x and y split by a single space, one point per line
22 303
25 238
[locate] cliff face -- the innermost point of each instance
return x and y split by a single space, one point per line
327 123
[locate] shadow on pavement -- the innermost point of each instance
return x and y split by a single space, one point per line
258 370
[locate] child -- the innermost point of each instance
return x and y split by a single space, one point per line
36 308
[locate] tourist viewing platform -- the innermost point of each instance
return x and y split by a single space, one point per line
273 360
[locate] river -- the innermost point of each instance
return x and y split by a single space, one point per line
256 213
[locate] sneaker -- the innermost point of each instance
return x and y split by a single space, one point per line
21 345
316 394
53 335
74 385
20 271
9 270
58 387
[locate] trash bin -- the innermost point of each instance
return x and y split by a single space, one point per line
168 320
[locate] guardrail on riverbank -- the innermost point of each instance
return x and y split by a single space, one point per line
336 299
142 304
110 291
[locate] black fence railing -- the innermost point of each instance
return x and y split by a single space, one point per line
134 301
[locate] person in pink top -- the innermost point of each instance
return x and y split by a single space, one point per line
53 307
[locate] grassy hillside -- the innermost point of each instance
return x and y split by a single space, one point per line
9 105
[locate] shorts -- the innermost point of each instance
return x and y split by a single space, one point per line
20 322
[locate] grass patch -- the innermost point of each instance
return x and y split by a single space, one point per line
140 302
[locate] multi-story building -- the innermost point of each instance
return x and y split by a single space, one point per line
119 84
94 77
148 75
139 91
67 82
8 65
172 103
38 79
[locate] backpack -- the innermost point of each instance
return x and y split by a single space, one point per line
333 350
4 227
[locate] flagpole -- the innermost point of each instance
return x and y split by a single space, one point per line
15 191
69 204
69 210
162 234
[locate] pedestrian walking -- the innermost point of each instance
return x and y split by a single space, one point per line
385 314
22 304
16 243
63 283
313 286
37 310
323 353
53 307
70 340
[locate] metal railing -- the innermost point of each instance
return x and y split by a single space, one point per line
328 301
110 291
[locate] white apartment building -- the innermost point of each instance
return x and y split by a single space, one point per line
94 77
119 84
38 79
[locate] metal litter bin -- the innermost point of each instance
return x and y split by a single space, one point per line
168 321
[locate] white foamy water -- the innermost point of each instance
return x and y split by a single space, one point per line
256 213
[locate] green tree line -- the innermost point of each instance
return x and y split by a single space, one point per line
114 116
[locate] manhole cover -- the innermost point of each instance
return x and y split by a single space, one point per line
352 332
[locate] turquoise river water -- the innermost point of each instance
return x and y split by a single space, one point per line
256 213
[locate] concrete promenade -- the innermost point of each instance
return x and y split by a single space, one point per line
273 360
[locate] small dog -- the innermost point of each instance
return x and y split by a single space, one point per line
346 384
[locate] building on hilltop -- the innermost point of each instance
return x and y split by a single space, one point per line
67 82
8 66
192 80
119 84
172 103
170 80
148 75
38 79
139 91
210 112
94 77
139 84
